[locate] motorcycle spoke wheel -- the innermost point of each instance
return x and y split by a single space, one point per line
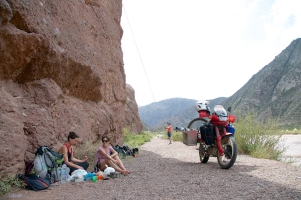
203 157
196 123
227 160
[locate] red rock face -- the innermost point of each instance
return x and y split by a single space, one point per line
133 122
61 70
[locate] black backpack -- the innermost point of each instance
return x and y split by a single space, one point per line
125 150
33 182
207 133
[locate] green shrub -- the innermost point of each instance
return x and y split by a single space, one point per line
134 140
257 138
175 136
10 183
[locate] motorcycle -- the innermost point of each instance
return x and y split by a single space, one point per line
215 134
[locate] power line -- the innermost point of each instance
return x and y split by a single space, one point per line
139 54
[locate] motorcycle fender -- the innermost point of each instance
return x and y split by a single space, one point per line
229 133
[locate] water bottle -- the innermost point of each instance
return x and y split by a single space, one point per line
64 174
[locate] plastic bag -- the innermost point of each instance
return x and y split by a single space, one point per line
58 173
109 170
77 175
79 172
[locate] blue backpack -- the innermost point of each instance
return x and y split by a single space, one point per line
33 182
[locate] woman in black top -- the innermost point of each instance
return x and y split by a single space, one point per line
67 150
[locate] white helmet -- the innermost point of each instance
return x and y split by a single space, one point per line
202 105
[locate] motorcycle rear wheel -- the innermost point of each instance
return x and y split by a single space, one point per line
230 152
196 123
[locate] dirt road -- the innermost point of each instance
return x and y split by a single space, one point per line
162 171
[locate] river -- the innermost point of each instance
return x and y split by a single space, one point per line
292 143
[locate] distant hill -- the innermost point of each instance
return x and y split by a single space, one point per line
177 111
275 91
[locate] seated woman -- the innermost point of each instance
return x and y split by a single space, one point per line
106 155
67 150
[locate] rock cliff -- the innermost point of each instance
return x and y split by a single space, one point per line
61 70
274 92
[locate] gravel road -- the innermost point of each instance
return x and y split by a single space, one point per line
162 171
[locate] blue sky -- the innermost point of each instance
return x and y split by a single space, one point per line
199 49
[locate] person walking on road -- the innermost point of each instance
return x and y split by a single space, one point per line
169 128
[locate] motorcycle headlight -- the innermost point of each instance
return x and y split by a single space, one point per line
231 118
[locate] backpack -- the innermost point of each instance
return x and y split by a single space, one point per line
207 133
125 150
29 167
47 163
33 182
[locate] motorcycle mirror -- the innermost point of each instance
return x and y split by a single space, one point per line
229 109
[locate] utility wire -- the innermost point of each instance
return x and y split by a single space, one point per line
139 54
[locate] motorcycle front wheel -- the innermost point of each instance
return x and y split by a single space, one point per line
230 152
203 158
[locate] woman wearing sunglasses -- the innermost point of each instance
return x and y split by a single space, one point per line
106 155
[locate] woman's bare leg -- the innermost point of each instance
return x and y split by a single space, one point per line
120 164
113 165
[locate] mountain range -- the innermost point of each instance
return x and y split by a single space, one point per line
178 111
273 92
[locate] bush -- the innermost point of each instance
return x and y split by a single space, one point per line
176 136
133 140
257 138
10 183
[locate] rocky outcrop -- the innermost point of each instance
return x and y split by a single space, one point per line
133 122
61 70
274 92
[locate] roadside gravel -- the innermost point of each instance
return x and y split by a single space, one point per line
162 171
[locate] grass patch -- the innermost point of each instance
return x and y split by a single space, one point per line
289 160
9 184
290 132
175 136
133 140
